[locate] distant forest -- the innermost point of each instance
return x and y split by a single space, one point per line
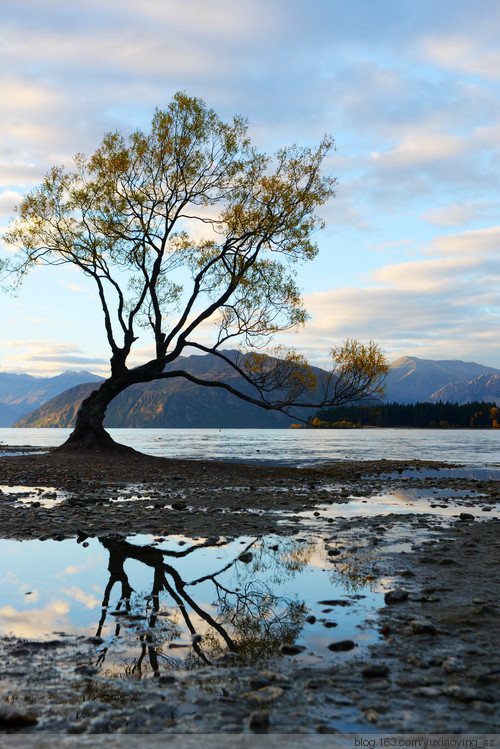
426 415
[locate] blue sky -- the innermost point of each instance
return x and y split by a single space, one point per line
409 89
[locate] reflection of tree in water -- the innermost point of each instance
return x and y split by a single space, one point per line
247 619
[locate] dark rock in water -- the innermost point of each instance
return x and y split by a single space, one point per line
341 646
292 649
246 557
334 602
466 516
259 720
310 619
398 595
375 671
330 625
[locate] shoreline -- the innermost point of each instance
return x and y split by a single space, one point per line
434 668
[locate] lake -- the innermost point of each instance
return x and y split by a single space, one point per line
292 447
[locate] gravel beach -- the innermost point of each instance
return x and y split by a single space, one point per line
434 666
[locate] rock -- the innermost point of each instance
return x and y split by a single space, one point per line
463 694
167 679
246 557
422 627
259 720
292 649
264 695
428 692
334 602
11 717
341 646
466 516
371 715
398 595
375 671
310 619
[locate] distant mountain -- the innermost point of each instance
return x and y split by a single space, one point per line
171 403
485 388
413 380
179 403
21 393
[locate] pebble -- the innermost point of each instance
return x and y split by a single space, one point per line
264 695
292 649
375 671
398 595
341 645
259 720
422 627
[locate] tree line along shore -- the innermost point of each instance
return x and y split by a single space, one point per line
475 415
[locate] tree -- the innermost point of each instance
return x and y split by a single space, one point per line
191 198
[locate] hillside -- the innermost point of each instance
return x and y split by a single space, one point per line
413 380
21 393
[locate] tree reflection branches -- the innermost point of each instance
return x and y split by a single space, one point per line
246 619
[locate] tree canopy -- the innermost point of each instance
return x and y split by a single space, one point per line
184 226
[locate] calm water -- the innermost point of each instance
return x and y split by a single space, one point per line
292 447
145 598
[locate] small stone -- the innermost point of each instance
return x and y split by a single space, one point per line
428 692
167 679
246 557
375 671
13 718
466 516
371 715
463 694
264 695
292 649
341 646
398 595
423 627
310 619
259 720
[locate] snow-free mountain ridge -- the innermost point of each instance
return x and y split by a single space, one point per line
179 403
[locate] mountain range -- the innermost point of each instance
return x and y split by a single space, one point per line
20 394
27 401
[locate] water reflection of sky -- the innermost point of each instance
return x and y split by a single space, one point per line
49 588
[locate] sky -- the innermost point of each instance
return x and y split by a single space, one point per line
409 89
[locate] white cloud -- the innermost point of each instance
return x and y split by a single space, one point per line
464 53
419 149
461 214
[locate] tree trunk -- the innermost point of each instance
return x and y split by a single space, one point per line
89 434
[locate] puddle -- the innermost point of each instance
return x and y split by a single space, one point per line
441 502
472 472
38 496
160 604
